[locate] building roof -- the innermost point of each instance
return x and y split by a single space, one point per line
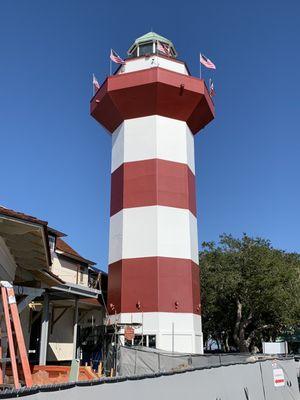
61 245
55 232
27 239
98 270
69 252
23 217
91 301
29 218
48 277
151 37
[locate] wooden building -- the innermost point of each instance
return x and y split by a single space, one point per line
59 292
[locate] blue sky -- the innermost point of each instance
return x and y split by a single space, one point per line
55 159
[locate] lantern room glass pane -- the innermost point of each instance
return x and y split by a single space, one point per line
146 48
134 53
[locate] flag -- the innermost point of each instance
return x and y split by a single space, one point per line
163 48
115 57
95 84
207 62
212 92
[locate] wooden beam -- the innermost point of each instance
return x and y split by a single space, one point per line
26 290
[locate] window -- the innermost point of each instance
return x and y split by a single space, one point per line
81 274
152 341
140 340
145 340
146 49
134 53
51 242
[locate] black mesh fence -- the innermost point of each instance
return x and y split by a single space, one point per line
142 360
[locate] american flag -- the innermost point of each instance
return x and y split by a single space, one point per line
115 57
163 48
95 83
207 62
212 92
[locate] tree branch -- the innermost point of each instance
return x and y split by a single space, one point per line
238 321
247 321
252 334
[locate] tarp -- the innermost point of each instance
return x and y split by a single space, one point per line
142 360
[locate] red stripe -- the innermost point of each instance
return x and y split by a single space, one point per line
153 182
158 284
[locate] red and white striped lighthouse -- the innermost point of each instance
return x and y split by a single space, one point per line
153 108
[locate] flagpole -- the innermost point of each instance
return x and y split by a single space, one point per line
110 67
200 65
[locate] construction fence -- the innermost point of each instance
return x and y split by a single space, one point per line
142 360
269 379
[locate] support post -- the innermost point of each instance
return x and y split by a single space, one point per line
44 331
75 328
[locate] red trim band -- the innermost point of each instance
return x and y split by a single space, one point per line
154 91
152 182
154 284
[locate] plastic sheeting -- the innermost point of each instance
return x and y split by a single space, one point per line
142 360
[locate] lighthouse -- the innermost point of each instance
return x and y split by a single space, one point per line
153 108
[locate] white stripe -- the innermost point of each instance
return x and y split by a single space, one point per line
153 231
186 329
153 137
142 63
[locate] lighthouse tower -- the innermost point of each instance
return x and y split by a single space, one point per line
153 108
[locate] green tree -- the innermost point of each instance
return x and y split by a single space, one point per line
250 291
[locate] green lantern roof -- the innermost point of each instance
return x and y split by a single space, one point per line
152 37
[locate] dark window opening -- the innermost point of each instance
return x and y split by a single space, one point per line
51 242
134 53
152 341
146 49
140 340
145 340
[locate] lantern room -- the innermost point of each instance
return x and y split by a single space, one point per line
149 44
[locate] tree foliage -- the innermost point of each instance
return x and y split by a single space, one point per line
250 291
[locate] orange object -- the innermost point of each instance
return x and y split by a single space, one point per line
129 333
12 320
10 338
49 374
1 373
99 372
19 335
